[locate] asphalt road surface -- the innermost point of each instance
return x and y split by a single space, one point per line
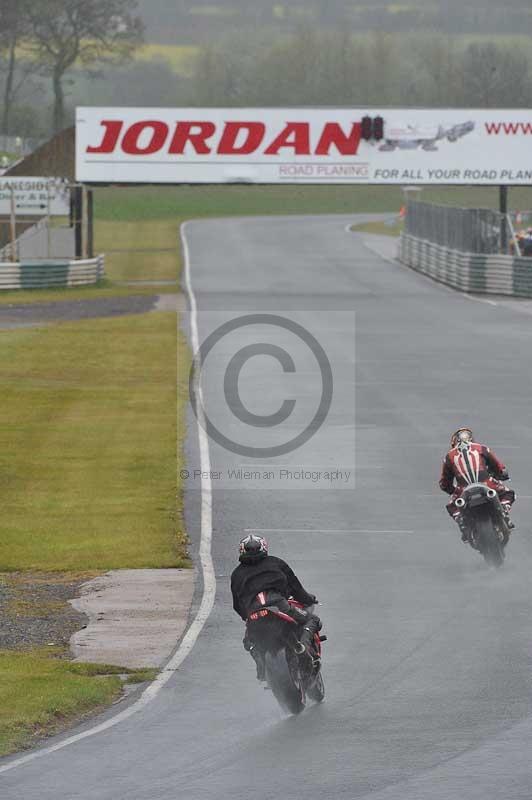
428 665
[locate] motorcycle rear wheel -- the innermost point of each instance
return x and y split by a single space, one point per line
316 692
285 682
491 547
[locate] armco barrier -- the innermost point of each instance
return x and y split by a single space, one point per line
53 273
468 272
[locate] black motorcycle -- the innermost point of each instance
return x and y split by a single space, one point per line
485 521
293 673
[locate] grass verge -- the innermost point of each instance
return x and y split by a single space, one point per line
88 468
150 203
389 228
104 288
139 249
40 695
88 445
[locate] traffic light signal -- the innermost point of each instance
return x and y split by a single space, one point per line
372 128
367 128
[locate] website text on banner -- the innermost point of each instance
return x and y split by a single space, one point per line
304 145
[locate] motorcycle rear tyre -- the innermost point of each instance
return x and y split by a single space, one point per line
492 548
285 685
317 691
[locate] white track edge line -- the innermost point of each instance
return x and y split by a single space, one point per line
207 567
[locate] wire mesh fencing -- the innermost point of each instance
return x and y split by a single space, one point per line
468 230
37 240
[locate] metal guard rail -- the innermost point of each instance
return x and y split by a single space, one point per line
468 272
51 273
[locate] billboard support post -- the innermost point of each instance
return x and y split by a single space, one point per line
78 220
84 223
503 208
13 225
48 224
90 223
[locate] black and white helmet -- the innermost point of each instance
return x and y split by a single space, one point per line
462 437
253 547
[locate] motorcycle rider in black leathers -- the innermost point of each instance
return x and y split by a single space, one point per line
259 572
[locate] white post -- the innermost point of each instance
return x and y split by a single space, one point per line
513 237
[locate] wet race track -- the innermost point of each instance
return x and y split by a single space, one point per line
428 667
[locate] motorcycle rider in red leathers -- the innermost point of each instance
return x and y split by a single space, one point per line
469 462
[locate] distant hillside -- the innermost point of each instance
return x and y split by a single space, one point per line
200 21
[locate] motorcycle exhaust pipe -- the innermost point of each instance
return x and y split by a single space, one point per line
460 502
491 493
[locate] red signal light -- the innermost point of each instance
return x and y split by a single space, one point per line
366 128
378 129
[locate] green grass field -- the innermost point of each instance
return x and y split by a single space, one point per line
90 451
40 694
139 249
180 58
152 203
392 227
191 202
88 445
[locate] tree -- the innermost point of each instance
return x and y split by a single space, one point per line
495 77
90 32
434 74
13 28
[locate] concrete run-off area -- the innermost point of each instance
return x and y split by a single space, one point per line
136 616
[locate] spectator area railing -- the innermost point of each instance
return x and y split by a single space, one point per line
469 272
471 249
51 273
469 230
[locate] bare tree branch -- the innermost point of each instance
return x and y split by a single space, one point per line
66 32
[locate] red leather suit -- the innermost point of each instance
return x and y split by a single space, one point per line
473 464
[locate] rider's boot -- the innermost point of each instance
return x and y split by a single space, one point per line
257 656
306 638
260 663
458 518
506 511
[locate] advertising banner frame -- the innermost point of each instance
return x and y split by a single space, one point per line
376 146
